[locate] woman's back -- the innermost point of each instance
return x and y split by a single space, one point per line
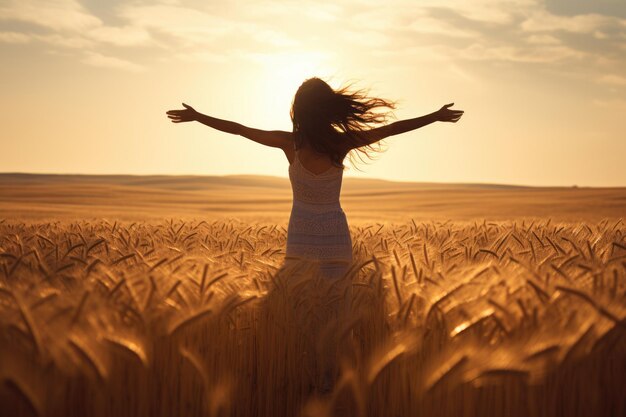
322 189
318 228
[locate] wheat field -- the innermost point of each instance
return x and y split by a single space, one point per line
203 318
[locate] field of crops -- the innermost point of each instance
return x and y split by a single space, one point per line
201 318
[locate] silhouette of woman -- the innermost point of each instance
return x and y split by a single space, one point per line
327 126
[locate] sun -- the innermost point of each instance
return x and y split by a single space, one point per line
283 73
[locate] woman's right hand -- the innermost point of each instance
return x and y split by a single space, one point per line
445 114
186 115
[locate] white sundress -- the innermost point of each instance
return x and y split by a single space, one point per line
318 228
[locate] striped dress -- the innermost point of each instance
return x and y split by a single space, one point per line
318 228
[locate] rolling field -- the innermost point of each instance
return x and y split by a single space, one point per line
249 197
156 296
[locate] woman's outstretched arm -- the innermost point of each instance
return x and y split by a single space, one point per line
272 138
445 114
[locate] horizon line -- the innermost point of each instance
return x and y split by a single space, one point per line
287 178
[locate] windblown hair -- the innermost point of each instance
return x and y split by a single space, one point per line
331 122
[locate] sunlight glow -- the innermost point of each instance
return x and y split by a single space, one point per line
541 83
283 74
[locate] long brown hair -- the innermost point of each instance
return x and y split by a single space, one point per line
331 121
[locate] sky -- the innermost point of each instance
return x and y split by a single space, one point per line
86 84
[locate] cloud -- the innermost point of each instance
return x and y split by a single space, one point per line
52 14
319 11
613 79
98 60
522 31
185 24
14 37
69 19
485 30
367 38
615 103
65 41
201 56
543 21
426 24
191 28
66 24
572 7
522 54
517 31
543 40
120 36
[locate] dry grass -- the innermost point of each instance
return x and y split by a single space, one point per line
202 318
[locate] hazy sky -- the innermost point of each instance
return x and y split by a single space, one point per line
86 84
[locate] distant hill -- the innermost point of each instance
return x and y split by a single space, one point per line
32 196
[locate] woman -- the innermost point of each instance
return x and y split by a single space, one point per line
327 125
